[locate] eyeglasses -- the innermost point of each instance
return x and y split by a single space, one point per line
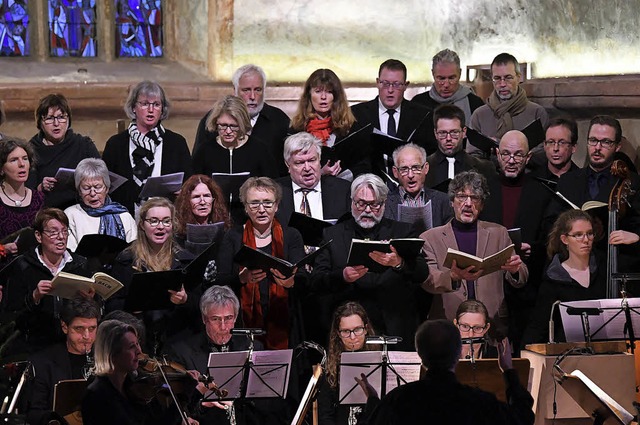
605 143
415 169
557 143
52 118
517 157
55 234
255 206
475 329
155 222
221 319
506 78
442 134
99 188
581 236
202 199
154 105
462 197
346 333
396 84
450 80
225 127
362 205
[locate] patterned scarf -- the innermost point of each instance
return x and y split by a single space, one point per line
110 222
504 110
144 154
459 98
320 128
277 324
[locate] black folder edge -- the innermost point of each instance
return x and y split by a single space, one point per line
138 298
298 222
283 266
88 247
480 141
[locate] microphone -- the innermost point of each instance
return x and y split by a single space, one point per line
383 339
247 331
473 340
552 325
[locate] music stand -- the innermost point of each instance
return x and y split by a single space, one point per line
385 370
592 399
486 375
68 395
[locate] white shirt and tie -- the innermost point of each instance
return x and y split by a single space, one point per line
314 198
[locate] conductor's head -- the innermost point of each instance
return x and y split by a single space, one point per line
438 344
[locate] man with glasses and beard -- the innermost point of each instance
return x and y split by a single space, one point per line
389 296
468 192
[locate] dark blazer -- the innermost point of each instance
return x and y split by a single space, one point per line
441 209
336 198
271 128
175 158
412 116
389 297
51 366
439 167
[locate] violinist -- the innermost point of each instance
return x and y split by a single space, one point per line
69 360
219 307
108 399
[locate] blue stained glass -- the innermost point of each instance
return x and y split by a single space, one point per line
138 28
14 28
72 28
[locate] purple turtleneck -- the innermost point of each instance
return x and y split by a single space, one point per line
467 239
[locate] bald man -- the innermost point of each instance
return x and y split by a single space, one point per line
518 200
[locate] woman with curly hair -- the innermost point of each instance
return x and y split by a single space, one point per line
200 202
349 329
323 110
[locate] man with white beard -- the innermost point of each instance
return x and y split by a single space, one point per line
389 296
269 124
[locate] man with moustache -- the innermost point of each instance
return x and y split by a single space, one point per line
507 107
69 360
305 190
468 192
518 200
269 124
560 142
392 114
450 158
410 169
389 296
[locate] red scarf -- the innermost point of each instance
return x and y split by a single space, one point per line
277 324
320 128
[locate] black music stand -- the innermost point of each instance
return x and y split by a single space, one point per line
377 365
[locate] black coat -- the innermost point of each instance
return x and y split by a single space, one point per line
175 159
66 154
336 198
271 129
390 297
39 324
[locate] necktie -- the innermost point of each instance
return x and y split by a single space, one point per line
471 289
451 171
594 184
391 124
304 205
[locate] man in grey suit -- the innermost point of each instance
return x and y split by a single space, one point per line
468 192
410 170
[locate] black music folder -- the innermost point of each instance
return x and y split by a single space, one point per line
535 133
194 271
384 143
480 141
254 259
343 149
149 290
95 245
310 228
407 248
230 184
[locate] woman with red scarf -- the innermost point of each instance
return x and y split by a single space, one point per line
323 110
268 300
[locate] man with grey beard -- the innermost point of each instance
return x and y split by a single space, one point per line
269 124
390 296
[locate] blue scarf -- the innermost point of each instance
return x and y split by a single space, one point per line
110 222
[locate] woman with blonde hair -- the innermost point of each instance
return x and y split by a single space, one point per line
323 110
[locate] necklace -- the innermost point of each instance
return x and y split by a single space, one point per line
17 203
263 235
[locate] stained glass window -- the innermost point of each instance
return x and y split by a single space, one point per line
14 28
72 28
138 28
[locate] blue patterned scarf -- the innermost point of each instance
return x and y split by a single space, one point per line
110 222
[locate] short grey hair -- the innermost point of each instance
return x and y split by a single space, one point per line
218 296
301 142
246 69
399 149
445 56
149 89
469 179
91 168
373 182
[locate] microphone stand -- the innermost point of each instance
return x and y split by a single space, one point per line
627 316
